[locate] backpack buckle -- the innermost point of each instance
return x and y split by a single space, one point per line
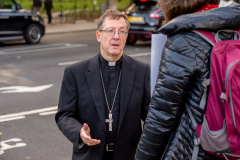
206 82
197 142
223 97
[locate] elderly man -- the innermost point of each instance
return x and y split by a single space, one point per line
103 99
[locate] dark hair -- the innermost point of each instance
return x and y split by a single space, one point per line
174 8
112 14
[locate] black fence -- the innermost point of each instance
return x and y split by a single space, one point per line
68 11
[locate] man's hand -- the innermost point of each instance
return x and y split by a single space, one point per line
86 137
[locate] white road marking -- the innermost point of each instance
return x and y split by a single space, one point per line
47 113
5 146
67 63
140 54
27 112
32 47
41 48
12 118
22 89
131 55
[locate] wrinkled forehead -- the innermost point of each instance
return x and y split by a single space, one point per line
118 23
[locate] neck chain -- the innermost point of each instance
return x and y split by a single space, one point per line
110 120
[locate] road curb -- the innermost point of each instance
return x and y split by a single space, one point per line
59 32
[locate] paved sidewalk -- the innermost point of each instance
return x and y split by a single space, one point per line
80 25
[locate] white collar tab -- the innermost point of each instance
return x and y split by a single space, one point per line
111 63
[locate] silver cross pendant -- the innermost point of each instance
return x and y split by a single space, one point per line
110 120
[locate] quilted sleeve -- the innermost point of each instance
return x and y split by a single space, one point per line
175 77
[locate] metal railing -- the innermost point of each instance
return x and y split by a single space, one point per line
68 11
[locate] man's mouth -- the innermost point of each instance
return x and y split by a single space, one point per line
115 45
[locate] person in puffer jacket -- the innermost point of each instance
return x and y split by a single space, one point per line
168 132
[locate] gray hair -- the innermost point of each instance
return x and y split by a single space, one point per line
112 14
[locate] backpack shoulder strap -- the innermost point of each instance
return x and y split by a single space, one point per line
207 36
239 33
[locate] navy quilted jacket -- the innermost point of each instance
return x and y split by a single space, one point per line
168 133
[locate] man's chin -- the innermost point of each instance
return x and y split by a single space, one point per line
115 53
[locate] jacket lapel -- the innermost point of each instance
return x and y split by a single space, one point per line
128 72
95 87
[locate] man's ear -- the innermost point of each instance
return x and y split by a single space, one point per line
98 36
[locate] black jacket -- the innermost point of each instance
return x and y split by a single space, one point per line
82 101
48 4
37 3
168 131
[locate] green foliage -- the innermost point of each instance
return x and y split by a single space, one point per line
6 4
63 5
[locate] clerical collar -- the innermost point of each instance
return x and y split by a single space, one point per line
104 61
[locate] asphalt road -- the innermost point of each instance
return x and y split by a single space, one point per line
30 81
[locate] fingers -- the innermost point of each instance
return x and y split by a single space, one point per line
85 133
86 128
93 142
86 137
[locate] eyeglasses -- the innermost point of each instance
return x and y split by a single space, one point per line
111 32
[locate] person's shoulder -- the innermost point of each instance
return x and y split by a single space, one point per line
182 35
178 41
136 62
80 66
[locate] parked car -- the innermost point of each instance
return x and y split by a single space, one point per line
145 17
18 24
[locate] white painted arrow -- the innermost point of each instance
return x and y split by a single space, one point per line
22 89
6 146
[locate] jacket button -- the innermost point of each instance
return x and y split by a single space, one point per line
103 132
98 157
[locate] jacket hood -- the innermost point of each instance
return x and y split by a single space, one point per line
211 20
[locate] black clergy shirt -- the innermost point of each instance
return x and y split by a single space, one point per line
110 78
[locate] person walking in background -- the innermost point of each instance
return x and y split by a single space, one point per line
37 4
168 132
48 6
104 98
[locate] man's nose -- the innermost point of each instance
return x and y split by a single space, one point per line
116 34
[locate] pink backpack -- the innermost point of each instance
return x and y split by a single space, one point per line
219 134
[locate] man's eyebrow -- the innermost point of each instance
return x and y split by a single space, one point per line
115 28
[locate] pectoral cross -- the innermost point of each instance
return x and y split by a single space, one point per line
110 120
